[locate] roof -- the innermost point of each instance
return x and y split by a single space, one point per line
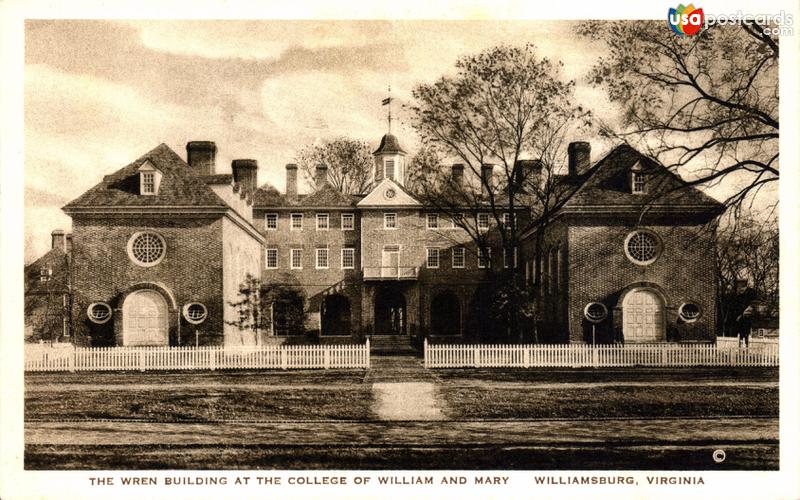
179 185
607 184
327 196
389 144
55 259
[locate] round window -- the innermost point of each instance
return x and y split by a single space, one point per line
642 247
595 312
390 193
689 312
146 249
195 313
99 312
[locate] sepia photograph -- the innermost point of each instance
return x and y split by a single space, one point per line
403 247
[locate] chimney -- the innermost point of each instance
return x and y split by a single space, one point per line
487 178
245 172
458 175
321 176
291 179
580 155
58 239
528 174
200 156
68 243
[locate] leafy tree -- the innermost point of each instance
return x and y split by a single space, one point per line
349 162
706 104
501 106
263 307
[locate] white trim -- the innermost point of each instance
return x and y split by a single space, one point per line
291 221
352 249
319 216
463 257
136 261
327 258
92 318
488 221
428 257
291 258
352 220
194 321
659 247
690 320
266 258
428 217
266 221
395 220
488 257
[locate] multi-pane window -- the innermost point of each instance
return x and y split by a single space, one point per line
455 220
297 258
348 258
272 258
458 257
509 258
271 221
45 274
323 222
433 221
389 169
507 219
297 222
484 258
148 182
390 221
322 258
483 221
433 258
348 222
637 182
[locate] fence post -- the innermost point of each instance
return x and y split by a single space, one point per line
326 358
141 360
526 357
595 358
425 352
663 355
72 359
368 353
213 361
476 356
284 358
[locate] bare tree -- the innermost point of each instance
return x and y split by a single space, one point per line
705 104
349 163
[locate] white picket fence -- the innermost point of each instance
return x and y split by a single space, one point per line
581 355
40 358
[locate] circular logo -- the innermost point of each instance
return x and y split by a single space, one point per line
718 456
389 193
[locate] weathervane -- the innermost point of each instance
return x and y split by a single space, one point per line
388 102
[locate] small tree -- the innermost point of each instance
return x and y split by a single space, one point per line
349 163
249 308
257 303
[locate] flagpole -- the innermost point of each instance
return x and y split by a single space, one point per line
390 109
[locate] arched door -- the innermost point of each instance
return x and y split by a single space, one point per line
336 315
390 313
643 316
144 315
445 314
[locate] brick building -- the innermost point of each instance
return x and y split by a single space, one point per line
161 247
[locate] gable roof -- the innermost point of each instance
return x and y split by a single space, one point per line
607 184
56 260
388 193
179 185
327 196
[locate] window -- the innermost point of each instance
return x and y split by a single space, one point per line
433 221
458 257
146 249
484 258
195 313
507 219
296 258
433 258
271 221
595 312
507 258
483 221
99 313
322 258
390 221
297 222
637 182
45 274
388 169
323 222
689 312
148 183
348 222
642 247
348 258
272 258
455 220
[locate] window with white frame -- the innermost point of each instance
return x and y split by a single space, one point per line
433 221
148 183
388 169
296 258
45 274
348 222
483 221
459 257
508 259
323 222
348 258
484 258
433 258
637 182
297 222
507 219
322 258
271 259
390 221
271 222
455 220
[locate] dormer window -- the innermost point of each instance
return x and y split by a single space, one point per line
45 274
149 179
389 169
637 179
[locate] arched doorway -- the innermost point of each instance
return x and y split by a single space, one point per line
446 314
144 319
288 317
335 315
643 316
390 312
